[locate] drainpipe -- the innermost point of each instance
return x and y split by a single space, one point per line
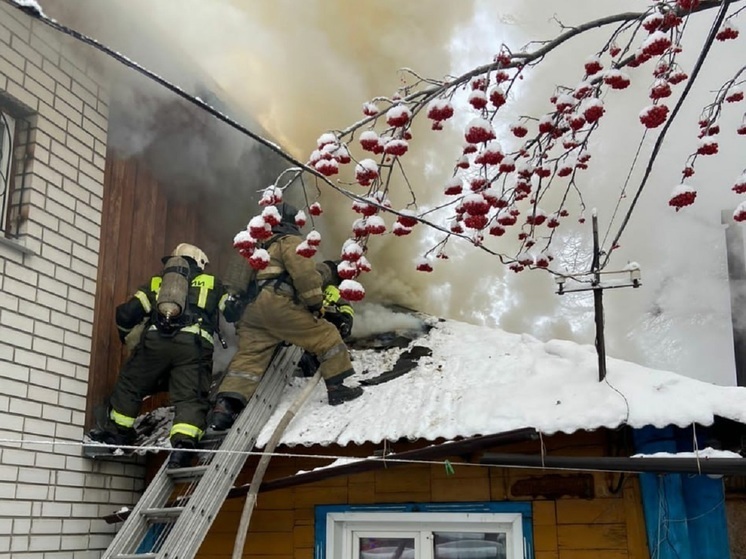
734 255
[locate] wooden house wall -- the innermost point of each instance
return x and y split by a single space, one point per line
735 506
608 526
142 221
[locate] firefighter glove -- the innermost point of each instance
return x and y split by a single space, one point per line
234 307
345 325
317 310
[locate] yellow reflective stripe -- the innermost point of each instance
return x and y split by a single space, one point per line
195 329
155 284
331 295
205 282
186 429
144 301
121 419
221 303
315 292
347 309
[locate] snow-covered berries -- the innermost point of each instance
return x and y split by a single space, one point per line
687 5
727 31
518 130
259 259
479 130
398 115
740 213
656 44
439 110
593 65
740 186
660 89
478 99
424 265
366 171
682 196
616 79
315 209
677 77
734 95
351 290
497 96
259 229
306 250
369 140
454 186
707 146
653 116
593 109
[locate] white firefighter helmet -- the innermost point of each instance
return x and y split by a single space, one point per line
193 252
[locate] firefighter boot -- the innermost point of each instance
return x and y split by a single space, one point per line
338 393
107 432
181 455
225 412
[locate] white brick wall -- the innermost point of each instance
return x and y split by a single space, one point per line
51 498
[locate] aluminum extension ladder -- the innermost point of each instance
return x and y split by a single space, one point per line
175 512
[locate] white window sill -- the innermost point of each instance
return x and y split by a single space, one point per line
16 245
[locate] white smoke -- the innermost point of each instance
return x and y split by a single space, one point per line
372 319
302 68
680 318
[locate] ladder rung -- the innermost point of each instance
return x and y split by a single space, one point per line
182 522
166 512
181 474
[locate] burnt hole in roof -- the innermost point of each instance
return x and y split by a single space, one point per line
407 361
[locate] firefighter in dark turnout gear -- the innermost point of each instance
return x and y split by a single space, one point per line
287 309
175 349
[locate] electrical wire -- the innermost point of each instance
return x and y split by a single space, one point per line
385 459
659 141
623 193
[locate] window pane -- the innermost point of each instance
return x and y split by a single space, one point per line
469 545
386 548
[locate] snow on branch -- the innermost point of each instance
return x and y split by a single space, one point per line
508 193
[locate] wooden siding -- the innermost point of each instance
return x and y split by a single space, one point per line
609 526
141 222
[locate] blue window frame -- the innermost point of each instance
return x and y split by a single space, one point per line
369 521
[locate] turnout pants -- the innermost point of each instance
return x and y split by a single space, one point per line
274 318
183 363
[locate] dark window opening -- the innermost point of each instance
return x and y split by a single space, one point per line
15 156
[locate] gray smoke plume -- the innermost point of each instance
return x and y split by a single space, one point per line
297 69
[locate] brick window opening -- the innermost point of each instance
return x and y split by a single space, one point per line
15 154
7 135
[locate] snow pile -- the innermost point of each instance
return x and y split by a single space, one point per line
481 381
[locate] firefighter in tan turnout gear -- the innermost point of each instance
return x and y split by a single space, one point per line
180 311
287 309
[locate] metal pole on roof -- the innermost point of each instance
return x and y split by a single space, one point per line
598 302
594 279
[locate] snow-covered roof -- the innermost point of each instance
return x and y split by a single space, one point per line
482 381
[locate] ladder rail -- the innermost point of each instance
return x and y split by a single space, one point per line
212 496
182 538
136 526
